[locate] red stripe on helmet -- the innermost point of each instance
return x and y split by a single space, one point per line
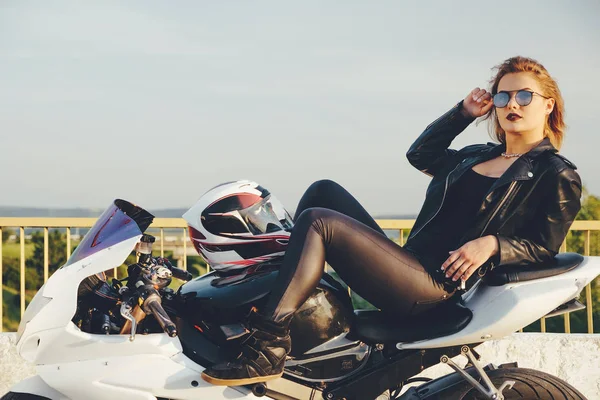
253 241
195 234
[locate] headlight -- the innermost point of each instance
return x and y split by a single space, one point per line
32 310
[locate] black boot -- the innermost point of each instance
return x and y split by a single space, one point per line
262 357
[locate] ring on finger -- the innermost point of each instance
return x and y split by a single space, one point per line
461 271
464 276
456 268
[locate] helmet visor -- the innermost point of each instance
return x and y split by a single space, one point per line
266 216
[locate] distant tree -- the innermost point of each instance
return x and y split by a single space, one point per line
590 211
10 272
6 233
57 248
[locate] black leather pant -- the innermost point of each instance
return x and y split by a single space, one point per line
331 226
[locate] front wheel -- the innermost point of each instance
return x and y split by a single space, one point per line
529 384
22 396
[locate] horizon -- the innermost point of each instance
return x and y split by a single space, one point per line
47 212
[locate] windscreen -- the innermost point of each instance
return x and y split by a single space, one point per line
121 221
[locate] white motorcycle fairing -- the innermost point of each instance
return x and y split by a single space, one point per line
499 311
72 364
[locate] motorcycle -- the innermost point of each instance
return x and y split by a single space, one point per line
137 338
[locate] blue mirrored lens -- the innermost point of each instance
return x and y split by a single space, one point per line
501 99
523 97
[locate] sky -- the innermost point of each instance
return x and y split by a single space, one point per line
157 101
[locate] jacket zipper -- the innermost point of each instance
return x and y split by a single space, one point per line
441 205
506 196
483 270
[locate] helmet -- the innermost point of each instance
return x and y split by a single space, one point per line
238 224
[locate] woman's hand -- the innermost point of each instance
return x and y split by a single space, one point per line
464 261
477 103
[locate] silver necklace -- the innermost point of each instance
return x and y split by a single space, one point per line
509 155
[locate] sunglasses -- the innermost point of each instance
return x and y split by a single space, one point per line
522 97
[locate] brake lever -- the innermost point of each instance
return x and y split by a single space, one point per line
126 313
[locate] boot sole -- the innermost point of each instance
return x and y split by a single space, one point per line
239 382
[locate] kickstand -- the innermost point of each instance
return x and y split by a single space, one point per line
490 392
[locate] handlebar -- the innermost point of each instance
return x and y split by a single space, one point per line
152 305
181 274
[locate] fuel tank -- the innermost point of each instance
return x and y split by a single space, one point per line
216 305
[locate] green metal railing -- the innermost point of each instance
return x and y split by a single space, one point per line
179 227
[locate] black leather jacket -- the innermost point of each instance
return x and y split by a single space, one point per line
529 208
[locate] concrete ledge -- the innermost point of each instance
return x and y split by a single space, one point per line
573 357
12 367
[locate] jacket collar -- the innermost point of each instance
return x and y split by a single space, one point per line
522 168
544 145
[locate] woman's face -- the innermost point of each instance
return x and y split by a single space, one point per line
517 119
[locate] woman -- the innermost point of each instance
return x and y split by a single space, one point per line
487 205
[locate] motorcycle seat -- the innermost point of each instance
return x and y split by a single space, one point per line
560 264
374 326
